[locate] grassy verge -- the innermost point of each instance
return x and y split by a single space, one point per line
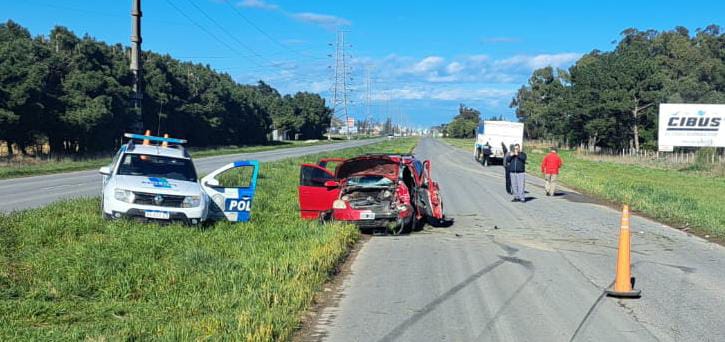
466 144
31 167
677 197
65 274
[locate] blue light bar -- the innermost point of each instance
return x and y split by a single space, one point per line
153 138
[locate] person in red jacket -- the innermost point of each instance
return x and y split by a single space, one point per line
550 166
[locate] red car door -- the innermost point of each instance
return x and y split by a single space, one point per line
433 194
315 196
330 163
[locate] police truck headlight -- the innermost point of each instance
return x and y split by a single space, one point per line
191 202
339 204
124 195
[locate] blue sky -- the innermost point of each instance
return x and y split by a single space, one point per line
424 57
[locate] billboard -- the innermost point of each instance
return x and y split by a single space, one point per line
691 125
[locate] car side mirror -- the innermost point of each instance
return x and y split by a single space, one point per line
212 183
331 184
106 171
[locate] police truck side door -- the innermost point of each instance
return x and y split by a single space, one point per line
231 190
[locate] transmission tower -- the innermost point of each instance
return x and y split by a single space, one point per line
340 84
368 100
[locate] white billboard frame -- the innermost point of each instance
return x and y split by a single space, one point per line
690 125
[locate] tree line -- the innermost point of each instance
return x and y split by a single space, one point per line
611 99
74 94
464 124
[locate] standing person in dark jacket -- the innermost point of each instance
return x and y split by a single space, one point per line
517 167
506 154
486 154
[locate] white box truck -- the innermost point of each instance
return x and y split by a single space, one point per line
497 134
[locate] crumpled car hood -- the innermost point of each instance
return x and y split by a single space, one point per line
381 166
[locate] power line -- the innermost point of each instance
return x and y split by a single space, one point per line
220 27
209 33
270 64
259 29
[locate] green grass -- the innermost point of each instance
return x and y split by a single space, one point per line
678 197
31 167
466 144
65 274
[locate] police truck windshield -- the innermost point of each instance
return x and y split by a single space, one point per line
157 166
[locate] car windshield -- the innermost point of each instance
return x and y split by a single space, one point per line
157 166
369 181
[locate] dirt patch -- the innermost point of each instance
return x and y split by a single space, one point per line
330 296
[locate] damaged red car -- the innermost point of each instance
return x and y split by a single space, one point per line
395 192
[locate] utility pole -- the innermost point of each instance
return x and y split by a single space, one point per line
136 66
339 92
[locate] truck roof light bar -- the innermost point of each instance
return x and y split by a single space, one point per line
149 138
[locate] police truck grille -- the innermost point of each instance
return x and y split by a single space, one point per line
167 200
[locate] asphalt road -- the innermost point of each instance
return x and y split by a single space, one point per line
530 271
32 192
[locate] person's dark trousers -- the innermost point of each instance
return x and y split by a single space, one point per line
486 159
508 180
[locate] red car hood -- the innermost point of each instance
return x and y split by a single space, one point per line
382 166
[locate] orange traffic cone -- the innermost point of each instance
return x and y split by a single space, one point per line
624 282
146 141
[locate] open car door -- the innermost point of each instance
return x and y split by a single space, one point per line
434 208
315 196
231 190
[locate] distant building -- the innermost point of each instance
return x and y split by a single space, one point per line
280 135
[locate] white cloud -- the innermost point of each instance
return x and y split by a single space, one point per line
446 93
454 68
261 4
404 93
478 80
540 61
428 64
459 94
324 20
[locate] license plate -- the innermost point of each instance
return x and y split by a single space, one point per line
367 216
155 214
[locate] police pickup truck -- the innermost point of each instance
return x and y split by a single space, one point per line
155 180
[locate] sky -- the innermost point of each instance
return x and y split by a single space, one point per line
423 58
